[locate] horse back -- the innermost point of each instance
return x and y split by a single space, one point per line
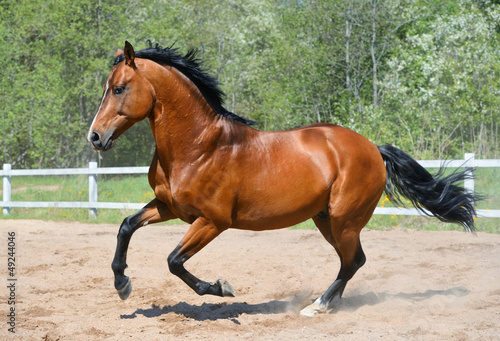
292 175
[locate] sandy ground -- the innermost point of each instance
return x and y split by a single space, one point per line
415 285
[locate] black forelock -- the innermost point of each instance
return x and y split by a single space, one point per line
120 58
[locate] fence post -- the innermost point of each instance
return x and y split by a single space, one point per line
6 187
92 189
469 182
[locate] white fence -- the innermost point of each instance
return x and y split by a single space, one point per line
92 171
93 204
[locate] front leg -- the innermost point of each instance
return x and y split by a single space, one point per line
198 236
154 212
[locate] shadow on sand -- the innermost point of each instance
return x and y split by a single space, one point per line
231 311
216 311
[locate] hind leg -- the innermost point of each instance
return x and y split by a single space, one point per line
344 237
356 189
352 257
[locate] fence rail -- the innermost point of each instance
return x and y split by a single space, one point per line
93 204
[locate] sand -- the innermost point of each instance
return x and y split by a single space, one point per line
417 285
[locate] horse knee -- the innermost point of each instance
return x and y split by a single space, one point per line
125 229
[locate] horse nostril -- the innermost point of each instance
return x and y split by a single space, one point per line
94 137
100 143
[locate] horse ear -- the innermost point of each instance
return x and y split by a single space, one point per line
118 52
129 54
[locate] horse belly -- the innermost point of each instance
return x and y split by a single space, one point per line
282 200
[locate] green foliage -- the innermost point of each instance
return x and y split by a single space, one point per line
423 75
444 84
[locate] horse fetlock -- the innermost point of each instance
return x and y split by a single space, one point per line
118 267
220 288
203 288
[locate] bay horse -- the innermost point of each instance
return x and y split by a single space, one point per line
212 170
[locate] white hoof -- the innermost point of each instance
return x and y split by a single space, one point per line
313 309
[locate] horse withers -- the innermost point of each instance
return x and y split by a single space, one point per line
214 171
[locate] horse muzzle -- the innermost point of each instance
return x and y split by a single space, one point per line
101 143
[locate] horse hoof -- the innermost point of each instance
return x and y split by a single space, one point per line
227 289
313 309
126 290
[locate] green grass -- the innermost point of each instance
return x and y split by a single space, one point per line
487 184
111 188
386 223
135 189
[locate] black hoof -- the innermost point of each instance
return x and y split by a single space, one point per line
126 290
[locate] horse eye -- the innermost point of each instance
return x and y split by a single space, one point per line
118 90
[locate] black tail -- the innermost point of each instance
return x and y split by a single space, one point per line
439 195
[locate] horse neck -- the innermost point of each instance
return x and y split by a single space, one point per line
184 125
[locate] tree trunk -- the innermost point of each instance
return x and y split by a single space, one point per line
373 53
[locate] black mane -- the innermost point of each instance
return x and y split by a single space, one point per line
191 67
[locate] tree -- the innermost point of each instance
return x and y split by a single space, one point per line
444 85
420 74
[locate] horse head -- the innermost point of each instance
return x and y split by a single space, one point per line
127 98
